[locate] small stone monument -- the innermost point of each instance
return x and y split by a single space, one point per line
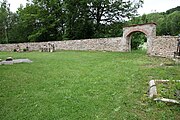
49 47
9 59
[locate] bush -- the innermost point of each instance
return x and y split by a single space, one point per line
137 39
15 50
24 50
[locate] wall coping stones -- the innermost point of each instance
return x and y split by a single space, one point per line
140 24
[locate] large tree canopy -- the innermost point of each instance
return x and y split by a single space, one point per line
51 20
112 10
46 20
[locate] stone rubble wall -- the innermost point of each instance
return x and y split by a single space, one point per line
164 46
102 44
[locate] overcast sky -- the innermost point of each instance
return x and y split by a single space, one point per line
149 6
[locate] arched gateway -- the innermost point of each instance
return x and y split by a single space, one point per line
148 29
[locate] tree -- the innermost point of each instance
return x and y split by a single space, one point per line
173 10
26 23
47 18
173 23
109 11
4 21
78 23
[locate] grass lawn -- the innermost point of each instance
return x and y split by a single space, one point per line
75 85
170 90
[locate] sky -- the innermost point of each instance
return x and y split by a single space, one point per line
149 6
14 4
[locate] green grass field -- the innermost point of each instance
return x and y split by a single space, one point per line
75 85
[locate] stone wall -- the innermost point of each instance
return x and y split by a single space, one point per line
102 44
149 29
164 46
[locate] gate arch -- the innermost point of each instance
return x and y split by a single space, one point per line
149 29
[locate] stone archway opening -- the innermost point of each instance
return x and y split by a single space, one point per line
137 41
149 29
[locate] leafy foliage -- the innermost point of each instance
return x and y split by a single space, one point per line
53 20
4 21
173 10
69 19
137 39
167 23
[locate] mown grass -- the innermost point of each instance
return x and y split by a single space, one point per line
75 85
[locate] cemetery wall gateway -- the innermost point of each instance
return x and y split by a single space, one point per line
163 46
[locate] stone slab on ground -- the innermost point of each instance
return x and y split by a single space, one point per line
15 61
22 61
167 100
6 63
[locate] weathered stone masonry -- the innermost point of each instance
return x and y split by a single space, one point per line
102 44
148 29
163 46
